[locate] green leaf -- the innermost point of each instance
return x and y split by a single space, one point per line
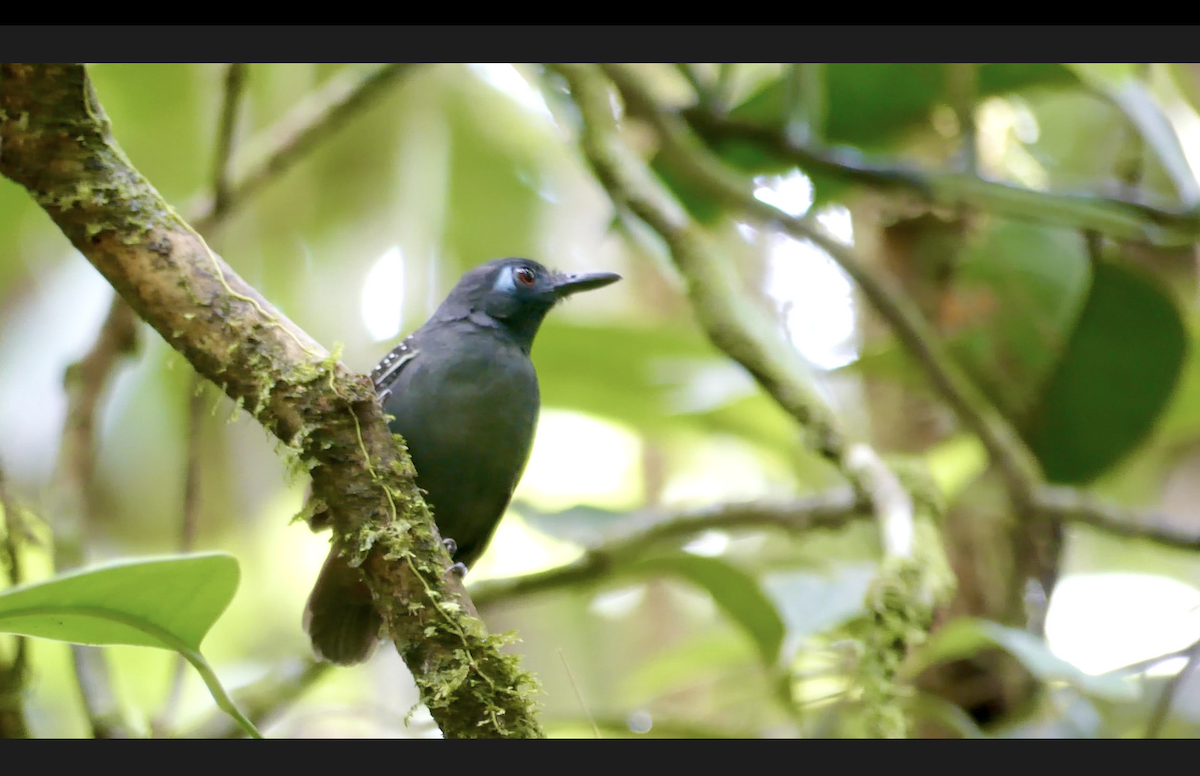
167 603
1018 291
1119 361
734 591
1116 376
872 105
136 603
965 637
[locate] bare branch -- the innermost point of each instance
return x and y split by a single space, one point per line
1119 218
57 143
1075 506
653 529
1158 718
14 675
235 82
292 137
70 501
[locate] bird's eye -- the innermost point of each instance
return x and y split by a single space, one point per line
524 276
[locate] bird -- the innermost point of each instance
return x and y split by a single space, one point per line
463 393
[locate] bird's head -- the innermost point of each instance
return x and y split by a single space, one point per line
515 294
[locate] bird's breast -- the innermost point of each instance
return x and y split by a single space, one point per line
468 412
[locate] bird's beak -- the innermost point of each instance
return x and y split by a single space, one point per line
570 283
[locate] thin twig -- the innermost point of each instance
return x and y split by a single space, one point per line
1069 504
235 82
292 138
634 537
1158 718
13 676
578 693
70 502
962 78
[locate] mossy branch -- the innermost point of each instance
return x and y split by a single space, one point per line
57 143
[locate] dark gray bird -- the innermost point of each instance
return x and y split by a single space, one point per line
465 398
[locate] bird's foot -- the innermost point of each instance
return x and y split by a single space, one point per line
459 570
451 546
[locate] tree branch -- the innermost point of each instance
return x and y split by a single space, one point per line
974 410
1071 505
633 539
1119 218
235 84
835 509
70 501
292 137
57 143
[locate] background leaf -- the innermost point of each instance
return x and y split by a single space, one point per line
966 636
132 602
1115 378
737 594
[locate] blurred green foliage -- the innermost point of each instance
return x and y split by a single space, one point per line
1089 354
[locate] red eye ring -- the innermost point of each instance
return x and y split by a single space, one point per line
524 276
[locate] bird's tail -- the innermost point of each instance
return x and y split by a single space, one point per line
340 617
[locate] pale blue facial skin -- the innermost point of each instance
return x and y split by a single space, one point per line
504 281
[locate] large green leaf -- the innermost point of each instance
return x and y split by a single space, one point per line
1116 376
967 636
734 591
168 603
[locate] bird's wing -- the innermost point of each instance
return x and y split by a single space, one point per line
388 369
